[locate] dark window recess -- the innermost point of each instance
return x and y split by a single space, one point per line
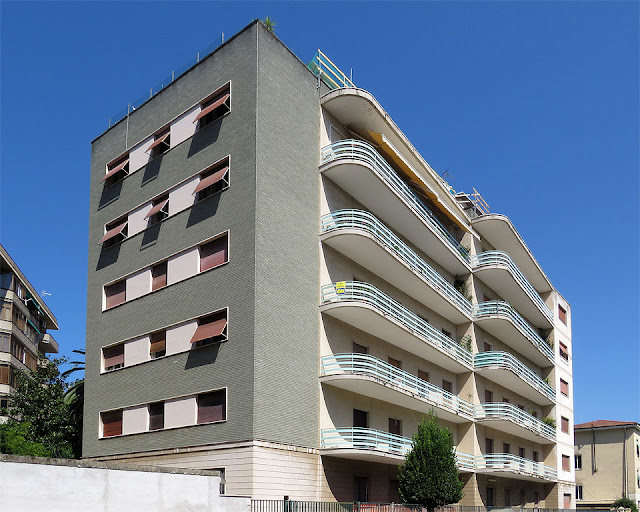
564 351
159 210
507 497
360 418
447 386
578 461
156 416
113 357
115 232
521 452
490 499
423 375
360 489
214 253
564 424
395 362
395 426
111 423
158 346
115 293
506 448
159 276
488 396
211 329
214 107
161 143
535 456
212 406
488 444
447 333
562 314
116 171
359 349
212 181
4 403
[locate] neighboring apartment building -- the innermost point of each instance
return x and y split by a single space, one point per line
24 320
607 462
280 287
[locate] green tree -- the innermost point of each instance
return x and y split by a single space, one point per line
626 503
429 475
270 24
14 439
38 411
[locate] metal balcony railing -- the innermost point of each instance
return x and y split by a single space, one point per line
330 74
504 309
509 412
372 439
365 221
514 463
353 291
507 361
360 150
502 259
369 366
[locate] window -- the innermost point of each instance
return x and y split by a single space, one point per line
562 314
521 452
488 347
5 343
214 253
4 403
523 499
113 357
535 456
578 461
505 400
159 210
423 375
212 406
158 345
223 480
6 280
111 423
536 498
578 492
5 314
214 107
161 143
212 180
17 350
19 319
159 276
115 294
211 329
564 351
360 489
506 448
6 375
395 426
567 501
156 416
488 396
30 361
490 500
564 387
507 497
637 448
116 171
115 232
566 463
446 333
564 424
395 362
488 445
447 386
360 419
521 407
359 349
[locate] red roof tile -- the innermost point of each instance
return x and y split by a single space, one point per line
603 423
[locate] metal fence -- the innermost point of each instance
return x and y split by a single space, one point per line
327 506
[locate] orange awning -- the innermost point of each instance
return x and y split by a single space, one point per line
209 330
211 180
113 232
212 107
156 208
117 168
159 140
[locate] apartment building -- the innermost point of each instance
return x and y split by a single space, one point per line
24 321
280 287
607 462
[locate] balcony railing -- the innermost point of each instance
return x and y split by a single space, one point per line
371 439
360 150
509 412
508 462
500 308
507 361
358 219
369 366
502 259
331 75
353 291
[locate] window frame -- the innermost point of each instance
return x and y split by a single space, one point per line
564 383
577 459
205 121
219 186
121 174
226 406
562 314
107 307
102 423
566 458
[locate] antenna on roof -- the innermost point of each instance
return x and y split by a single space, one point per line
446 174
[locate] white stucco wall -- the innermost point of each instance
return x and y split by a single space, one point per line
81 489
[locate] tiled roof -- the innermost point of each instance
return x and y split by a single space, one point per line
604 423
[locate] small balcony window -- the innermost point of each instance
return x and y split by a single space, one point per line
158 346
115 232
212 406
116 171
115 294
214 107
211 329
113 357
161 143
156 416
212 180
159 210
111 423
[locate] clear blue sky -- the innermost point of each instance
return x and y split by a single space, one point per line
534 104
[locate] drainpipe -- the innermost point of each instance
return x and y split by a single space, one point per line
594 467
624 462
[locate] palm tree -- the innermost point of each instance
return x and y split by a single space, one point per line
74 398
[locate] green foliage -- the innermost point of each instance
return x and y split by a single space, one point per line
429 475
270 24
14 438
626 503
465 342
549 421
463 287
39 411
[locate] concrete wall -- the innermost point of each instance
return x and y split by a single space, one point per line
69 486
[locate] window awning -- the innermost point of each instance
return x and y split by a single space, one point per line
116 169
159 140
156 208
209 330
33 325
113 232
212 107
211 180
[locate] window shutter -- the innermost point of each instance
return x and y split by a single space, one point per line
212 406
116 293
4 374
213 253
564 424
113 356
111 423
564 387
158 342
156 416
159 276
566 463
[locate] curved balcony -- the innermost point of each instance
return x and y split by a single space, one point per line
359 235
369 376
518 467
375 446
497 269
509 418
366 308
505 323
358 169
504 369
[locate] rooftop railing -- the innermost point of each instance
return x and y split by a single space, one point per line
369 366
360 150
504 309
502 259
330 74
350 291
507 361
358 219
514 463
509 412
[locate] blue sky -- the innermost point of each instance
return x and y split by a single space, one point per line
534 104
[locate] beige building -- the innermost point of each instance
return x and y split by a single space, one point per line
607 460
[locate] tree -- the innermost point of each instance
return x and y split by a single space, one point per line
14 439
270 24
625 503
38 412
429 475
